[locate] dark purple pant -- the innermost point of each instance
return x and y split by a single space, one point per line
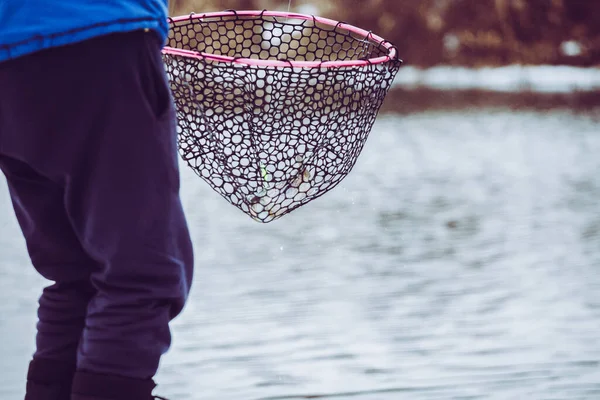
88 146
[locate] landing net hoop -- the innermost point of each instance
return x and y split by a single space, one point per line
274 108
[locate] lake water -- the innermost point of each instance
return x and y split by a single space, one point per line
459 260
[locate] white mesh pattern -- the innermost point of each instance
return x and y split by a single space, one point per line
271 139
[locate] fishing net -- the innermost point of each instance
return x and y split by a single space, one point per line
274 109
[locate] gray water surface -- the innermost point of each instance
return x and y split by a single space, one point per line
459 260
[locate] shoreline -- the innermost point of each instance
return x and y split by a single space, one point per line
544 79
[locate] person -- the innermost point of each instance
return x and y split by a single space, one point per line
88 147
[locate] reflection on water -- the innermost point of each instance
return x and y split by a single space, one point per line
459 260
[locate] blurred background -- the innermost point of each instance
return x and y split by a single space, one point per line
457 32
459 260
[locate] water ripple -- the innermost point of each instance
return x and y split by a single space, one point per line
458 261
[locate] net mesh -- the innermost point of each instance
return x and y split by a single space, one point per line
271 139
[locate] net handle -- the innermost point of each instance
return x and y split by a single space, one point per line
391 57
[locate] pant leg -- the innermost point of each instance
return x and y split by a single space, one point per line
57 255
124 202
97 118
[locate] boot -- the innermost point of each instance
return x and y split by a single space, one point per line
92 386
49 380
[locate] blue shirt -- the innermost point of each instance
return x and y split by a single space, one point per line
27 26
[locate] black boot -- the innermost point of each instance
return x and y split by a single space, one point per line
49 380
92 386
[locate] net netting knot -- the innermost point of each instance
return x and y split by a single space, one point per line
273 111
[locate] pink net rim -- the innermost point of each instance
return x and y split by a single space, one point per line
393 55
